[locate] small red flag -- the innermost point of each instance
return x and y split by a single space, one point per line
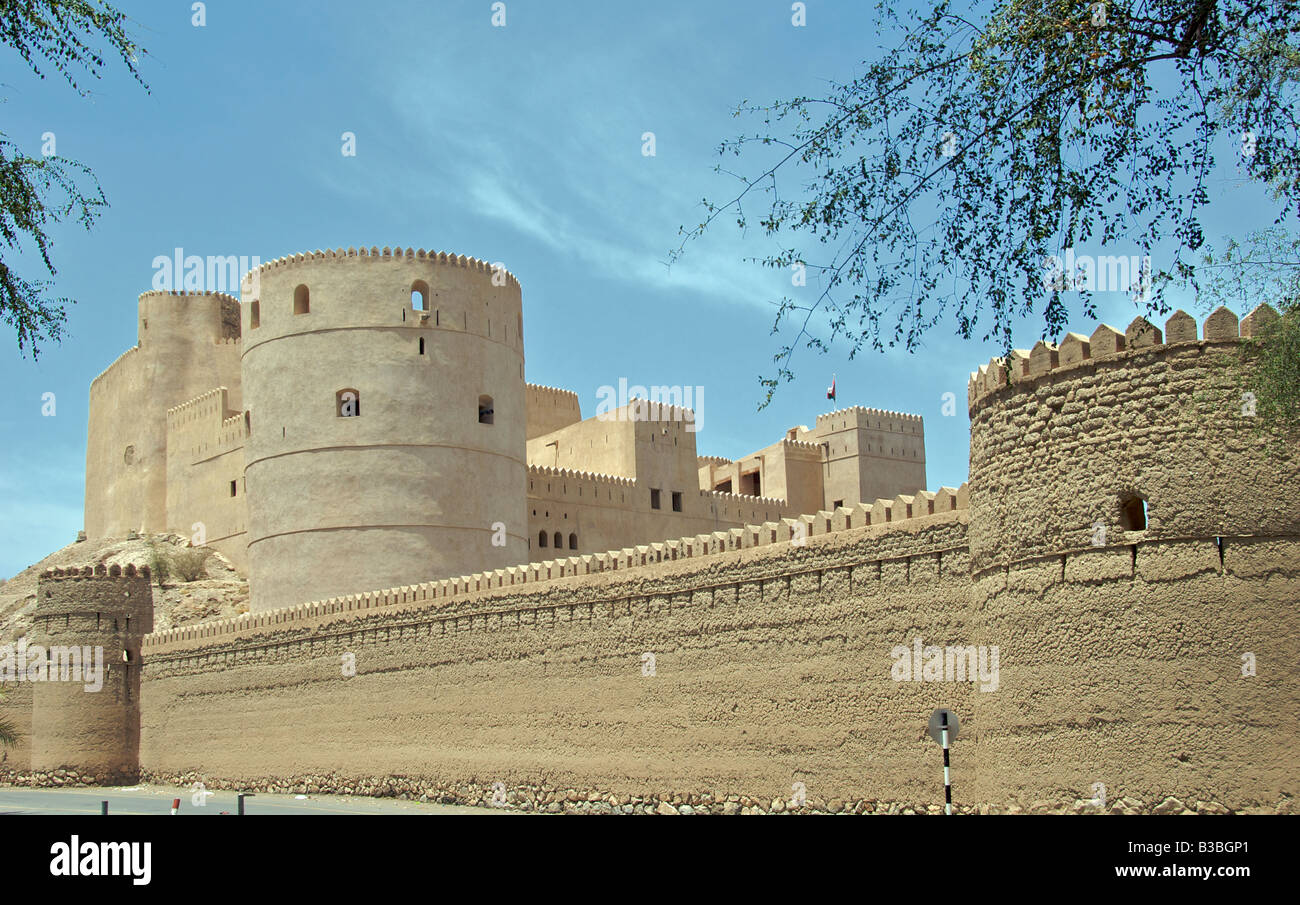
830 390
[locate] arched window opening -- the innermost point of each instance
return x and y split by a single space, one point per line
573 541
1133 512
541 538
485 410
255 315
348 403
301 300
420 295
559 541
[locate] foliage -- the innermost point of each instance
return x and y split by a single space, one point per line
188 563
36 193
160 566
938 182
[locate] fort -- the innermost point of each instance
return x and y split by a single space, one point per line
393 648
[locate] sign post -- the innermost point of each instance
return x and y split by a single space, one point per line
943 729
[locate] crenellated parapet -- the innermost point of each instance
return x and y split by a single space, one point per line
744 499
544 390
885 515
1026 367
202 407
805 447
69 573
182 293
861 414
551 472
378 255
128 355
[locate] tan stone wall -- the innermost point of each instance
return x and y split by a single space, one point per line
772 666
1124 667
188 344
205 474
549 409
601 446
412 487
17 708
609 513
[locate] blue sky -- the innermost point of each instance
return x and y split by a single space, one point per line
519 144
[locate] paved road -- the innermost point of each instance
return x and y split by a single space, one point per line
158 800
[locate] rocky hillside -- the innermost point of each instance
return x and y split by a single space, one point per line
218 592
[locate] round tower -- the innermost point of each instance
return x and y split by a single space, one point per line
83 658
385 394
1133 550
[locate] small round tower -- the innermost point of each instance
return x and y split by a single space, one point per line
385 393
87 629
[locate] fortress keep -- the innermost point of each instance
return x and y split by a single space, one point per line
362 420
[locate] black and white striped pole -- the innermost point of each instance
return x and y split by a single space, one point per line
943 729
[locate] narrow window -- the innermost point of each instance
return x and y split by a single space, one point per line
348 403
420 295
233 486
541 538
559 541
573 541
248 422
654 498
255 315
421 345
301 299
677 501
485 410
1133 512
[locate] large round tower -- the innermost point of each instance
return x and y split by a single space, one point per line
1133 554
385 393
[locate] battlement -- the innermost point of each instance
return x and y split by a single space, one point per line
744 498
385 254
857 412
807 446
123 357
97 571
713 460
1027 366
548 471
555 391
221 296
213 402
946 503
641 409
